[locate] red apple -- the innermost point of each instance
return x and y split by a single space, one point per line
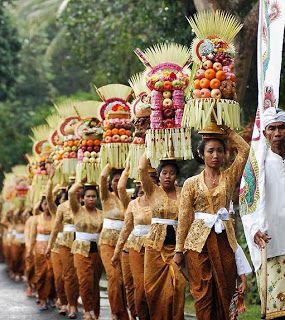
116 138
205 93
200 74
89 149
107 140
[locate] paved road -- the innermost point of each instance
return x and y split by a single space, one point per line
14 305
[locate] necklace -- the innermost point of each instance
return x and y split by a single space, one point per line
214 181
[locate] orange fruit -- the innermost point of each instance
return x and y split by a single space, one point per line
97 142
65 144
84 142
128 133
89 143
215 83
210 74
220 75
115 131
122 131
70 143
197 84
205 83
108 133
233 77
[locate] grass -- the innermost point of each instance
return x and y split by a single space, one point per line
252 311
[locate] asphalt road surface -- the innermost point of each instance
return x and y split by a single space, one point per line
14 305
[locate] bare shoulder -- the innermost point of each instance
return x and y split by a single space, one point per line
64 206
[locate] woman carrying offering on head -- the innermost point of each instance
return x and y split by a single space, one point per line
113 209
164 283
88 221
206 232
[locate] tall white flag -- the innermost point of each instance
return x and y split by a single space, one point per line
269 57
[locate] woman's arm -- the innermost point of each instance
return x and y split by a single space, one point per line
73 200
104 188
147 184
50 200
127 228
36 209
123 195
33 235
235 171
185 215
55 228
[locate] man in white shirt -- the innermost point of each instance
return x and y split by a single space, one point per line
268 225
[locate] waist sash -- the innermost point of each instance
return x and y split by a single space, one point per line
141 230
113 224
84 236
43 237
169 222
69 228
215 220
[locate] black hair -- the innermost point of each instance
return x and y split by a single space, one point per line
41 203
136 192
87 188
201 148
164 163
59 196
113 173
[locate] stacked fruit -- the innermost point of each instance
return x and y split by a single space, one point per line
89 150
216 77
117 131
70 147
141 126
167 98
41 166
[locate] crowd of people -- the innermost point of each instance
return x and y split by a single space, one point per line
155 242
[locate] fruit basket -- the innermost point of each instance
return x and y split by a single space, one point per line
141 111
213 96
167 77
90 132
117 124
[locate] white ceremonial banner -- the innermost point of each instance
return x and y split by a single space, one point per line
269 54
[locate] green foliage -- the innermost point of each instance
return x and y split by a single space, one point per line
9 49
103 34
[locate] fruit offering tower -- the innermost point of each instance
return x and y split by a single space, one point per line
141 110
90 131
70 141
42 150
116 115
167 76
56 142
214 87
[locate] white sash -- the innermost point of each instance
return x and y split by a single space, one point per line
169 222
69 228
20 237
113 224
84 236
43 237
216 220
141 230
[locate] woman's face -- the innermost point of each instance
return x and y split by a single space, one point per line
45 206
214 154
114 183
167 176
140 192
90 198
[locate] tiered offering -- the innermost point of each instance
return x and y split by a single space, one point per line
71 142
141 111
42 150
90 132
115 111
167 76
214 87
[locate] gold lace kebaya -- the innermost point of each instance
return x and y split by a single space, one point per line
161 206
113 209
63 217
88 223
136 216
196 197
